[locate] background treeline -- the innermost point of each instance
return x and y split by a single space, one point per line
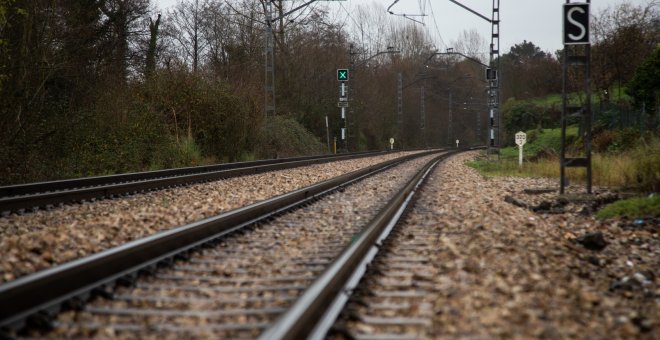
103 86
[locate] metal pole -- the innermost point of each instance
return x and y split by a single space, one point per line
399 120
449 125
422 115
327 133
269 78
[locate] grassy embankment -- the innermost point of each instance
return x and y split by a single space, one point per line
621 159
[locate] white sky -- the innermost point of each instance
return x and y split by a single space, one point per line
538 21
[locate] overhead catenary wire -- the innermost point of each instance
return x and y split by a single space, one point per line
435 23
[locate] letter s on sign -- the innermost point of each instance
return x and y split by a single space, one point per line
583 30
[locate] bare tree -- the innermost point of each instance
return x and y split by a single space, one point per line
472 44
186 30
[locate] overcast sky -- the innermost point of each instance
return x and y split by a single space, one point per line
538 21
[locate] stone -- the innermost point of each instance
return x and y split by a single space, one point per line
592 241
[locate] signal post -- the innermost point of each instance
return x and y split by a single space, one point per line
342 77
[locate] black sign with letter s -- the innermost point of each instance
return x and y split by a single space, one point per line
576 24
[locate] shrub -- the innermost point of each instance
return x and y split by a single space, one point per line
205 111
646 162
285 137
603 140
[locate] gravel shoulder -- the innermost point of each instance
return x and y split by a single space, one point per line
507 271
39 240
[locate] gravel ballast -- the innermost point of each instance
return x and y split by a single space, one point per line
494 269
39 240
212 295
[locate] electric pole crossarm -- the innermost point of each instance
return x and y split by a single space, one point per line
293 10
375 55
473 11
458 53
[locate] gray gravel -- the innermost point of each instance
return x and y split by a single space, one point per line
36 241
212 295
484 268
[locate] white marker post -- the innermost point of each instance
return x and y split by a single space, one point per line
521 139
457 141
391 143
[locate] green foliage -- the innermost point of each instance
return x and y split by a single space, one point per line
542 142
645 84
632 208
522 116
285 137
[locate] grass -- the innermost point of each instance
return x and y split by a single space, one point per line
636 168
608 170
632 208
616 94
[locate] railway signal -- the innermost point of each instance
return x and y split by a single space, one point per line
576 23
342 74
577 57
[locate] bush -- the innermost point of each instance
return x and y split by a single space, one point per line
603 140
522 116
205 111
646 162
285 137
122 136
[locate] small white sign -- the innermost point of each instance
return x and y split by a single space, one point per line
391 143
521 138
457 141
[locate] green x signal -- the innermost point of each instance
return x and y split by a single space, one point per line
342 74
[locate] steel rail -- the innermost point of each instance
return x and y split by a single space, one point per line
314 312
29 196
65 184
36 298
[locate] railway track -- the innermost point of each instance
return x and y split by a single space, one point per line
282 273
32 196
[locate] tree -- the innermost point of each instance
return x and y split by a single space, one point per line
186 30
624 36
644 87
528 72
151 49
122 25
472 44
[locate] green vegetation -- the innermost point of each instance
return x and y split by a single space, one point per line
95 87
632 208
645 84
634 164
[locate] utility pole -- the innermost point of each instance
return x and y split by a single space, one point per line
449 124
422 113
350 120
493 84
269 78
494 141
399 97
